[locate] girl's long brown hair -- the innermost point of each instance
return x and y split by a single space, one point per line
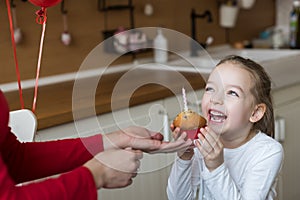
261 91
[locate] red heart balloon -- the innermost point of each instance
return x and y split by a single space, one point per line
45 3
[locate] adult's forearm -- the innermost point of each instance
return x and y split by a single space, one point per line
29 161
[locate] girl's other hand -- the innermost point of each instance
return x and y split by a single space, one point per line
211 148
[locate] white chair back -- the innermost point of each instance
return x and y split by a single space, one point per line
23 124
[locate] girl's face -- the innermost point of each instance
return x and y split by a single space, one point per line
227 102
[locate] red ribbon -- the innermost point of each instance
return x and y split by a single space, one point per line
41 17
38 68
15 53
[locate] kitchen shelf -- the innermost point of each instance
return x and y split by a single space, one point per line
117 7
107 33
109 47
104 7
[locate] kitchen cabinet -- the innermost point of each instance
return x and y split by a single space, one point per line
287 107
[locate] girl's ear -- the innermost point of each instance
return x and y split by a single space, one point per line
258 112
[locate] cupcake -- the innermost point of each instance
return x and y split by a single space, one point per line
189 122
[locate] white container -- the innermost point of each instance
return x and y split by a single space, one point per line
246 4
228 16
278 39
160 46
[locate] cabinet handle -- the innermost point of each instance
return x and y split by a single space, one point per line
279 134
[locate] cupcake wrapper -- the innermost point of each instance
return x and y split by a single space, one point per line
192 134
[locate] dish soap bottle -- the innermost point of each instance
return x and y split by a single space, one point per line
160 46
294 41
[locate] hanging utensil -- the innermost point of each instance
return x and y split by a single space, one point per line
148 8
17 31
65 36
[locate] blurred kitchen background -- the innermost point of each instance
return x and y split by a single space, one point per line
258 27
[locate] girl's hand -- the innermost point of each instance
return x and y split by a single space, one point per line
211 148
186 153
180 144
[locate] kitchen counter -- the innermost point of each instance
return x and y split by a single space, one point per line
54 104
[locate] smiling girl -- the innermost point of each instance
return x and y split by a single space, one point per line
235 156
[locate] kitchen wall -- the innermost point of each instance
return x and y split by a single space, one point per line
86 23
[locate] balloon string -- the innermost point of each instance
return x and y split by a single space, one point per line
15 53
38 67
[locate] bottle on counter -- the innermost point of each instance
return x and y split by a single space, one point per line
294 40
277 39
160 46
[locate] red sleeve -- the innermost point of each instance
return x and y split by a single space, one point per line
27 161
30 161
75 185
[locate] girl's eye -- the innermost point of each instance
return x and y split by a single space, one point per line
209 89
233 93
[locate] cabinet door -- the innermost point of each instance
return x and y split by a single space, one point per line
287 106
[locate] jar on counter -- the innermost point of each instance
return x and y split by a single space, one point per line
277 39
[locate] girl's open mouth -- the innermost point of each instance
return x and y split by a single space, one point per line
216 116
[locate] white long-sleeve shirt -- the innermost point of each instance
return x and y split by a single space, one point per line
248 172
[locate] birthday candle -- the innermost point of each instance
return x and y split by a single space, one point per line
184 100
